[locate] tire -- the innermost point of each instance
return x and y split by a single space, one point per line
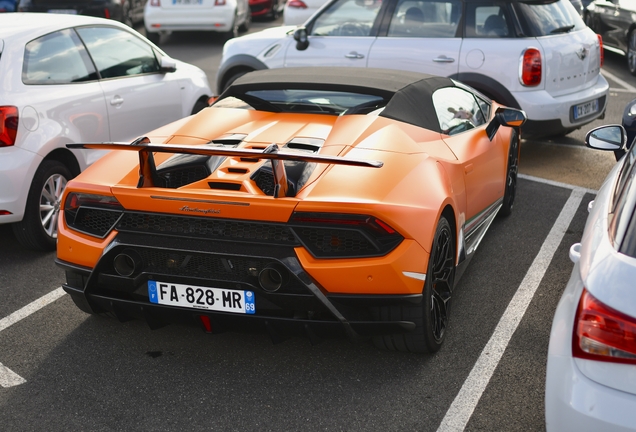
631 52
199 105
38 228
126 14
232 32
431 315
247 23
153 37
512 170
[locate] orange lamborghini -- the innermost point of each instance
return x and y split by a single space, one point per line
307 201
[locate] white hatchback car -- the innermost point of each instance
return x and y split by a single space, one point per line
591 372
538 56
72 79
222 16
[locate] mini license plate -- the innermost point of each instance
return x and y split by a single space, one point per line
63 11
197 297
585 109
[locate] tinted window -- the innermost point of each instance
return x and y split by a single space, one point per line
487 20
457 110
420 18
628 163
347 18
117 52
57 58
541 19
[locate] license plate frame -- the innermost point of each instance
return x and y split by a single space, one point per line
585 109
201 298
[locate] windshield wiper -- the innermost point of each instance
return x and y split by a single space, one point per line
564 29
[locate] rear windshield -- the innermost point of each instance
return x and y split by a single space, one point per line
305 101
544 18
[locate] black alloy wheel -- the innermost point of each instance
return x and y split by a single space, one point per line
432 314
512 172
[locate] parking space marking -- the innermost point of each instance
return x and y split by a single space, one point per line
617 80
8 378
463 406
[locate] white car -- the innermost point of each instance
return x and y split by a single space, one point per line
73 79
538 56
298 11
222 16
591 371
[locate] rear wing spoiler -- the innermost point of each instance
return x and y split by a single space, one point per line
148 176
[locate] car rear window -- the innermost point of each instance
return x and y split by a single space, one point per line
306 101
544 18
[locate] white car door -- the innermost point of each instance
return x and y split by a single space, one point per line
422 37
139 97
340 36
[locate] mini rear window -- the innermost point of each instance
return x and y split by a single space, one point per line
543 18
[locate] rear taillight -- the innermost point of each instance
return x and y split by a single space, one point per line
8 125
600 45
219 2
95 215
602 333
106 13
296 4
530 73
156 3
332 235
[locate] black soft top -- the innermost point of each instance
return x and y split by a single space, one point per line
408 94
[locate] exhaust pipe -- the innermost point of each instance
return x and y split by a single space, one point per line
127 263
272 277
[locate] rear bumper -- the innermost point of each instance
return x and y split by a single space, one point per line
217 19
548 115
300 307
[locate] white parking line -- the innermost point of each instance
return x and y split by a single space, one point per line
462 408
617 80
8 378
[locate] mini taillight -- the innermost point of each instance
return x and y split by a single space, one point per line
219 2
600 45
296 4
8 125
530 74
156 3
602 333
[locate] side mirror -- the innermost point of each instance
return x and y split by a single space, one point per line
610 137
300 36
509 117
168 65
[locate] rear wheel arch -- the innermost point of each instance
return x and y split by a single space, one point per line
238 63
67 158
489 87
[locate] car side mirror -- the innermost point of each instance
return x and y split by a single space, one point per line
509 117
168 65
300 36
610 137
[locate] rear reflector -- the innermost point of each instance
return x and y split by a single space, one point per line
602 333
207 325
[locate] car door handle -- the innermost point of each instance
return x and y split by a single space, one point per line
354 55
117 100
443 59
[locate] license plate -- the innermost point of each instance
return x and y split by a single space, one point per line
187 2
196 297
63 11
585 109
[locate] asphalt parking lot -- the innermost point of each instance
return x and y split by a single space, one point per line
61 369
